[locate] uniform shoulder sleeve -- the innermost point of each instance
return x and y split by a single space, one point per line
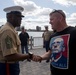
8 43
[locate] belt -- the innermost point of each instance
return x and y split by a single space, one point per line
6 62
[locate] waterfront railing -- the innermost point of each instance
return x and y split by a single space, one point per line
35 42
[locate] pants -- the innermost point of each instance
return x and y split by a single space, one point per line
14 69
24 48
46 43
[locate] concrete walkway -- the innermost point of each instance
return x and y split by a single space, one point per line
35 68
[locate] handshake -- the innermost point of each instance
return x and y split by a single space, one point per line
35 58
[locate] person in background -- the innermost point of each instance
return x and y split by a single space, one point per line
24 38
10 44
62 46
46 36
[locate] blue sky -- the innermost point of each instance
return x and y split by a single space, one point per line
37 11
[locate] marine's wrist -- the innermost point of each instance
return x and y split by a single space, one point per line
30 55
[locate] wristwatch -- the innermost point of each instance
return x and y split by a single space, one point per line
30 55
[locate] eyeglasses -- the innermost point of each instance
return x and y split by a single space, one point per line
59 11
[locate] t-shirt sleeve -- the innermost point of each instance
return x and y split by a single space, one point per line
27 35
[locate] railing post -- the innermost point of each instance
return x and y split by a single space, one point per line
31 39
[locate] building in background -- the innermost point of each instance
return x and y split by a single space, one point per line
38 28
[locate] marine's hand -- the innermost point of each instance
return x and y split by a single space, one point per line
37 58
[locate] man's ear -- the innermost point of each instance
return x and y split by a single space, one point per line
9 16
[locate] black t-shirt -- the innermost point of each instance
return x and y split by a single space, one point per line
63 47
24 38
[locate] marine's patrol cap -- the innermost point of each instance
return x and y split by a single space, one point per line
14 10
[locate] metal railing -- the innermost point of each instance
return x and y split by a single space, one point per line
35 42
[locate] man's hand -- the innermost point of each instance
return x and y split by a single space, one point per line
37 58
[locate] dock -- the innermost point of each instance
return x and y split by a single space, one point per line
35 68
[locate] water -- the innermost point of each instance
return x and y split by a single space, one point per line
34 33
37 38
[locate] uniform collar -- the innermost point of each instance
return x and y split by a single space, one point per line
11 26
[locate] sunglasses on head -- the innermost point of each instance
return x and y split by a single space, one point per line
59 11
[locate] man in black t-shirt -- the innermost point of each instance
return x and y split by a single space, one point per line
24 37
62 46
